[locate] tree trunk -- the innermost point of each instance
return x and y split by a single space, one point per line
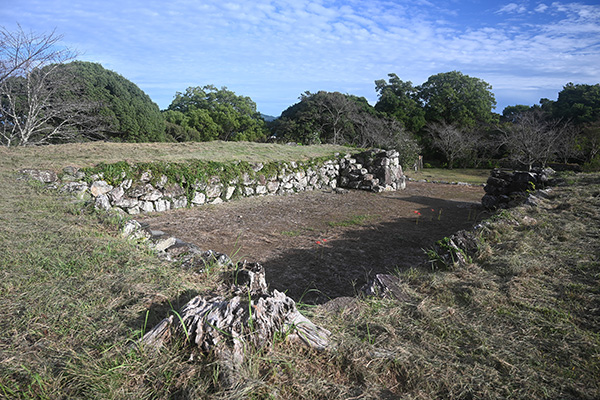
248 317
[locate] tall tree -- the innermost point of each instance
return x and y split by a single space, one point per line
578 103
512 113
458 99
333 117
127 113
400 100
220 114
33 108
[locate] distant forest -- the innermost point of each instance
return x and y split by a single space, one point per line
46 97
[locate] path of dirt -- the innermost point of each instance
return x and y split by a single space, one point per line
320 245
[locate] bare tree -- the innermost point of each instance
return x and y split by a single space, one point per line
35 105
452 141
22 52
566 143
532 139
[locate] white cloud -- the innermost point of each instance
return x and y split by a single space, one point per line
512 8
273 50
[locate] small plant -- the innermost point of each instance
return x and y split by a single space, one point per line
370 339
143 332
502 215
304 306
445 254
321 244
354 220
185 330
291 233
418 215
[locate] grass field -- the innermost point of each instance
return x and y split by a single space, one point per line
473 176
85 155
521 321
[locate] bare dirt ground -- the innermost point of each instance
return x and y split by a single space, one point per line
321 245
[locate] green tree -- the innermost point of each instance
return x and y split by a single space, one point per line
512 113
457 99
128 114
178 128
219 114
333 117
578 103
400 100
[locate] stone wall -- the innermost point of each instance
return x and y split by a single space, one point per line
507 189
150 190
374 170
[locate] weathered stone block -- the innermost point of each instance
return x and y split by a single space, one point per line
146 176
116 194
126 202
173 191
126 184
272 186
146 206
162 205
246 180
152 195
100 187
102 202
164 244
214 191
199 198
180 202
133 210
162 181
44 176
229 192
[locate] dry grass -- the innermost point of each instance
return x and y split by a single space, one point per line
89 154
522 321
472 176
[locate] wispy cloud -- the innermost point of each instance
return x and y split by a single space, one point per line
273 50
512 8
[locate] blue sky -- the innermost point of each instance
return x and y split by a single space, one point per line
274 50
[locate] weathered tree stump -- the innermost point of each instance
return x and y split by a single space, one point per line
386 286
248 316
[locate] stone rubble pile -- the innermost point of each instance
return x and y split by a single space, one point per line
506 189
374 170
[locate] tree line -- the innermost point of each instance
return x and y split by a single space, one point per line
46 97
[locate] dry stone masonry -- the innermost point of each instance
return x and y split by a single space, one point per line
506 189
374 170
150 191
